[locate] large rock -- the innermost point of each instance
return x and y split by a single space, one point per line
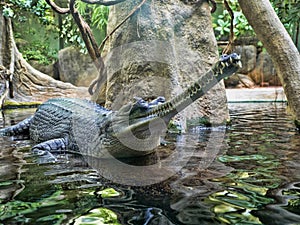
162 48
264 73
51 70
75 67
239 81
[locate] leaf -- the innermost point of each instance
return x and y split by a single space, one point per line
98 216
8 12
108 192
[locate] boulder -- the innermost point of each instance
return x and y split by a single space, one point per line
264 73
75 67
239 81
159 51
46 69
245 81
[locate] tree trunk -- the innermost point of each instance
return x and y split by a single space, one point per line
280 46
20 82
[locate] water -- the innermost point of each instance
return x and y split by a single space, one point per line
248 173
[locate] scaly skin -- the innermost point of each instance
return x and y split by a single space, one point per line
63 124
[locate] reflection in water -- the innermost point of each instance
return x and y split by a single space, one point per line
260 143
286 210
246 174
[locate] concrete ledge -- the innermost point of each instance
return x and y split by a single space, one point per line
244 95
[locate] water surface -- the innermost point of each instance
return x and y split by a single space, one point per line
248 173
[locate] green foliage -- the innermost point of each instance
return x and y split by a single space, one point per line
7 12
18 9
222 27
95 15
39 52
100 16
21 11
287 10
70 33
241 25
289 13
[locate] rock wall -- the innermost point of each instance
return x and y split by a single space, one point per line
72 67
159 51
75 67
264 73
258 68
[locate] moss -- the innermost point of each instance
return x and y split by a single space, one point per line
202 121
228 122
15 105
206 122
174 127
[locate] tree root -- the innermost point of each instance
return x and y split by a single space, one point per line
20 82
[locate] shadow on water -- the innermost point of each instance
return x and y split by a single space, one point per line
248 173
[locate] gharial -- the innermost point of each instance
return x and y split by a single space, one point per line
62 124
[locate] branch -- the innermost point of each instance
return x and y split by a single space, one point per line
231 38
86 32
58 9
214 6
120 24
103 2
90 42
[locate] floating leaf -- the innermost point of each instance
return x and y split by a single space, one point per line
108 192
98 216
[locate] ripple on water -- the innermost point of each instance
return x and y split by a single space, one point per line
248 173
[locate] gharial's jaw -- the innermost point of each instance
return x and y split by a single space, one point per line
124 136
120 138
129 120
141 128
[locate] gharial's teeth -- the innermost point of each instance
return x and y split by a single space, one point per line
223 64
227 63
168 105
240 64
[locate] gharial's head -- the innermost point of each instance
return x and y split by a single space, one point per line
227 65
140 110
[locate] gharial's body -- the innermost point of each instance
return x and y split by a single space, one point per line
79 125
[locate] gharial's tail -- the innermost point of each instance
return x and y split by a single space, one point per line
20 128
